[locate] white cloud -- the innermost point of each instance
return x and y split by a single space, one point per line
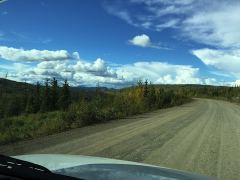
77 72
144 40
14 54
156 2
218 27
122 14
227 61
236 83
97 68
170 24
76 55
213 22
80 72
160 72
141 40
154 12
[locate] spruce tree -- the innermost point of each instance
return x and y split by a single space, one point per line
145 90
54 94
45 105
65 98
37 98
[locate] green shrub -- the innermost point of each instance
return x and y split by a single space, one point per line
104 107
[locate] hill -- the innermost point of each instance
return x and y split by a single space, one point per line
28 111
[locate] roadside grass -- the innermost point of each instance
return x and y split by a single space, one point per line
82 114
31 126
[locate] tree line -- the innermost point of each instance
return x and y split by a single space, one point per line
32 111
208 91
109 105
49 109
34 99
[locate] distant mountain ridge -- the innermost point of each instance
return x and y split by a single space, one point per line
11 86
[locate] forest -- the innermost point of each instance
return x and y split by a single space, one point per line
28 111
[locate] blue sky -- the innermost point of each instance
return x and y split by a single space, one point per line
116 42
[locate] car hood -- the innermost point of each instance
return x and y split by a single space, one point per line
88 167
60 161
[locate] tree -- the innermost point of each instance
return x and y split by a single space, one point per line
45 106
152 96
145 90
140 84
30 104
65 98
54 94
98 94
159 99
13 107
34 100
37 98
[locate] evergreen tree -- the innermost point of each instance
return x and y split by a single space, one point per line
65 98
45 105
13 107
152 96
30 104
37 98
98 98
54 94
145 90
159 99
140 83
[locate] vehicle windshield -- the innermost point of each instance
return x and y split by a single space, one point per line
154 82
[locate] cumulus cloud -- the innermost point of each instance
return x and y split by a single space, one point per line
36 65
160 72
80 72
77 72
141 40
17 71
97 68
14 54
59 64
144 41
156 72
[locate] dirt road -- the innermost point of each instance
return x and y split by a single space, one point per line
202 136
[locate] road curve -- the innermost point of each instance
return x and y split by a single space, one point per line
202 136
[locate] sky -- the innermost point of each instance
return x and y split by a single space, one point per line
116 43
